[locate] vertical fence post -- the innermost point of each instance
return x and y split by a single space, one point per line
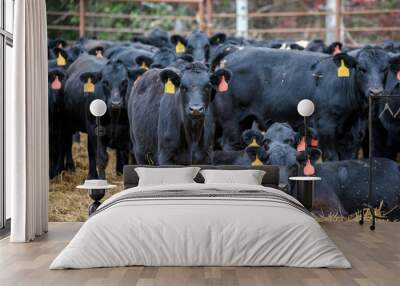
209 17
81 18
242 18
201 15
338 19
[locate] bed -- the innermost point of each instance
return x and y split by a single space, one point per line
197 224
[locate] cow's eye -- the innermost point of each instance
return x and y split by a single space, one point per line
106 84
288 141
124 84
362 69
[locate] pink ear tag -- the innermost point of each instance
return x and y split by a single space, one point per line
336 50
302 145
309 169
398 75
56 84
314 142
223 85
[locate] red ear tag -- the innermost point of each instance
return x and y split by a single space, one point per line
56 84
223 85
398 75
314 142
309 169
302 145
336 50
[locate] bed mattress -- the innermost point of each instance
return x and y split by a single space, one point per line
201 225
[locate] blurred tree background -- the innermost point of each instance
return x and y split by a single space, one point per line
135 18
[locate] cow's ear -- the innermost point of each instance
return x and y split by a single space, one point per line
179 43
61 56
60 43
394 64
94 77
295 46
252 138
97 51
144 61
217 39
135 74
334 48
344 62
220 79
170 79
56 72
186 58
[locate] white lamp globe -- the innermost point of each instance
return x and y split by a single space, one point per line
305 107
98 107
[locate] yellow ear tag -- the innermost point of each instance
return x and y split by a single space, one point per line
89 86
343 71
144 66
257 162
61 60
254 143
180 48
169 87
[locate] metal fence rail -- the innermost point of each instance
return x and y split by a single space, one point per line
206 19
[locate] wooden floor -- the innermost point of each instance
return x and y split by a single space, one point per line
375 257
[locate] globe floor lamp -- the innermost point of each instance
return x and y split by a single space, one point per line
305 108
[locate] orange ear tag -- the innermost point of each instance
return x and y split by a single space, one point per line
336 50
302 145
343 71
180 48
56 84
88 86
314 142
257 162
223 85
169 87
398 75
61 60
253 143
309 169
99 54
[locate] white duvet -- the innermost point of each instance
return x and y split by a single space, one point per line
200 231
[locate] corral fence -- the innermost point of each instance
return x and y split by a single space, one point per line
354 22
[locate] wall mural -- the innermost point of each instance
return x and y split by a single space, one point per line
227 100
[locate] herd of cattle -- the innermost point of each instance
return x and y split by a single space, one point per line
228 100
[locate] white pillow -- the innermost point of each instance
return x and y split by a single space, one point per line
248 177
166 176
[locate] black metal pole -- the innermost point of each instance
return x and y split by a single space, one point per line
370 139
305 141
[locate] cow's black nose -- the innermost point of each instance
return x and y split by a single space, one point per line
196 110
116 103
375 91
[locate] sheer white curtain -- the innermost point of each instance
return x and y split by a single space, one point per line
26 123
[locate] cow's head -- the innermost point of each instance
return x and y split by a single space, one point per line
282 133
196 44
392 85
195 86
372 68
113 83
163 58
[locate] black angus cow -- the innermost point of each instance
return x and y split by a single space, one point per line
253 155
268 84
92 78
386 117
344 185
156 37
178 102
56 80
195 44
133 57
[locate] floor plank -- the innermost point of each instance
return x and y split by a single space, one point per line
375 257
